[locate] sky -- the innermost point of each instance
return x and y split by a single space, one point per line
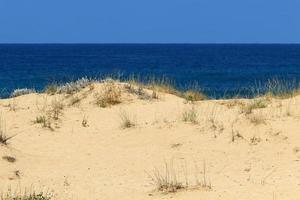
149 21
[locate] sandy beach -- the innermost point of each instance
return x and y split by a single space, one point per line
85 146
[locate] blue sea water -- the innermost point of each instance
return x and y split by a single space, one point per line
217 68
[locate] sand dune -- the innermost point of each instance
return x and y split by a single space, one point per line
218 149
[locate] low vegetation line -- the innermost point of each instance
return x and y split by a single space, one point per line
275 88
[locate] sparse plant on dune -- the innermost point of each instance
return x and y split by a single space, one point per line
138 90
192 96
233 103
25 195
235 134
166 182
290 109
165 85
190 115
74 100
3 134
4 138
110 95
20 92
68 88
44 121
162 84
73 87
56 108
255 104
51 89
281 89
40 120
171 180
126 120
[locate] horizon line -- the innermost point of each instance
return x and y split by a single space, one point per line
149 43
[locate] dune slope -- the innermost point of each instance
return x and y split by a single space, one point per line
70 145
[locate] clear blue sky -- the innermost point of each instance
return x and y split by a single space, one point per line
149 21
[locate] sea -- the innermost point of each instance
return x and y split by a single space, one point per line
218 70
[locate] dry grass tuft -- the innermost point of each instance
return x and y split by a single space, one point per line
56 108
194 96
126 121
51 89
50 113
281 89
3 135
256 104
233 103
68 88
190 115
73 87
170 180
139 91
74 100
44 121
163 85
26 195
111 94
20 92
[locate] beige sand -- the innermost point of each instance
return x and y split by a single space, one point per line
247 156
